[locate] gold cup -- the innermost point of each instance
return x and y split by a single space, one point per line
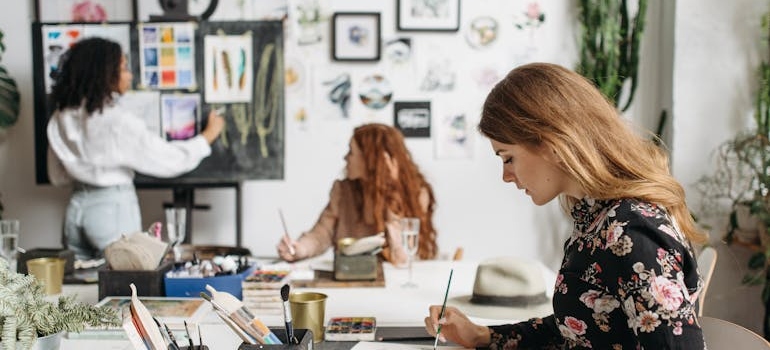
49 271
307 312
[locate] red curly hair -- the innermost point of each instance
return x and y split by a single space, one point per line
400 196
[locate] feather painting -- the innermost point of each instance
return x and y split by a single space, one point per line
242 70
227 69
214 83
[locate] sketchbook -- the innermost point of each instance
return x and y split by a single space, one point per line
172 311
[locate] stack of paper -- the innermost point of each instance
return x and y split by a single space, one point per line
262 291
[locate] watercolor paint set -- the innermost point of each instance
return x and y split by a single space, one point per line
351 329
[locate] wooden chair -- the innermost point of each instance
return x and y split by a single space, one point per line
707 260
724 335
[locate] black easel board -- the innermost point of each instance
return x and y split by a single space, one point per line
252 145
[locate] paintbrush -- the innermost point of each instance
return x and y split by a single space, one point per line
166 336
174 344
443 308
240 328
287 315
187 331
286 233
229 302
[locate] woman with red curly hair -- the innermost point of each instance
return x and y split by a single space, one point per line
383 184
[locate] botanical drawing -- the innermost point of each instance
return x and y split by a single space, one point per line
266 96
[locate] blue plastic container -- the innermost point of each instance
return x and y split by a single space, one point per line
192 286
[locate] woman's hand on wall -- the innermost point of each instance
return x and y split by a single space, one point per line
214 127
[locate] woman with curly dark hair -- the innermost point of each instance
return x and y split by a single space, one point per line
383 184
96 145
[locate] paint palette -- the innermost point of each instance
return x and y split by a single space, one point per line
351 329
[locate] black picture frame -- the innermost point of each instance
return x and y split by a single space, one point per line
428 16
356 36
412 118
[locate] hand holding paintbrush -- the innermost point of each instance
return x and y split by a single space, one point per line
286 248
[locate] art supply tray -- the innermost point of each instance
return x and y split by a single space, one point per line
305 337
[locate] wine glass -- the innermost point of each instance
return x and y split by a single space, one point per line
9 242
176 219
410 240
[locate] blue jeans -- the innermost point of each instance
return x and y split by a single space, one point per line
97 216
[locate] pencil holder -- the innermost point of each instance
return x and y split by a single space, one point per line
305 337
194 347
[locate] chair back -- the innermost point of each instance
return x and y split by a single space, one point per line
724 335
707 260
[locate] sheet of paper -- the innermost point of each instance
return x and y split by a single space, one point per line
368 345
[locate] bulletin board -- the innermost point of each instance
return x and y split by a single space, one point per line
183 70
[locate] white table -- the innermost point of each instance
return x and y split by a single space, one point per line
393 305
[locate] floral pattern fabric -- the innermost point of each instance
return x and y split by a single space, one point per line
629 280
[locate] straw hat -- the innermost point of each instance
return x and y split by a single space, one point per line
506 288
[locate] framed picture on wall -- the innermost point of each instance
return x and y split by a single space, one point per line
412 118
84 11
356 36
428 15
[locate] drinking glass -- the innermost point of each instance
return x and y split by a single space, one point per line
176 220
9 242
410 239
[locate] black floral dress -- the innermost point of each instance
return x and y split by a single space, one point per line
628 280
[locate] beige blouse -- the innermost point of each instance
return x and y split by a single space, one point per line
343 217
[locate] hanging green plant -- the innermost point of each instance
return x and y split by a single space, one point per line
609 46
9 93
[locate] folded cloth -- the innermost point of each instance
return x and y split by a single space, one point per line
136 251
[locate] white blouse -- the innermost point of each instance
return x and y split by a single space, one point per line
105 149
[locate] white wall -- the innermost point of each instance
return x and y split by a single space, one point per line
475 209
718 48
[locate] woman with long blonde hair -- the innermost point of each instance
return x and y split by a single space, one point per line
629 277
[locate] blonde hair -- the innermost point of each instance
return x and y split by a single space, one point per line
546 104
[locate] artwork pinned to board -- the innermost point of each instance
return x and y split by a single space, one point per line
228 72
332 93
412 118
481 32
428 15
375 91
437 75
295 75
252 144
167 55
180 115
530 19
57 39
528 22
453 136
398 51
97 11
356 36
145 104
309 21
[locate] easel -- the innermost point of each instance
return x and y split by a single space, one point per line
184 197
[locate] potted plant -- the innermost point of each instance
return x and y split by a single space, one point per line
25 314
609 46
